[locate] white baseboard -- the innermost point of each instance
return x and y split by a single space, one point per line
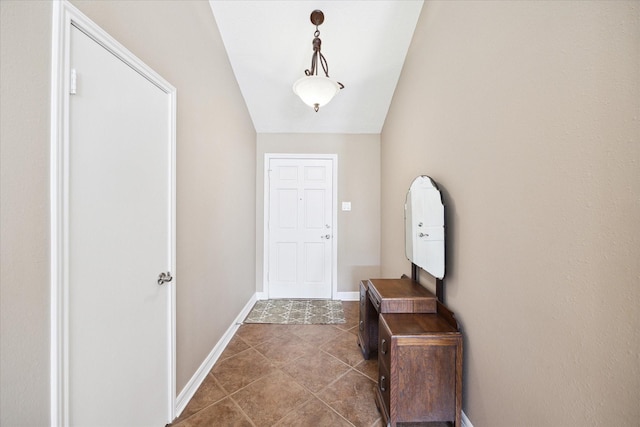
465 421
343 296
194 383
348 296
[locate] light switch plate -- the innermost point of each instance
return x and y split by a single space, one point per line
346 206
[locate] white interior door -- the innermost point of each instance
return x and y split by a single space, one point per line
300 228
120 237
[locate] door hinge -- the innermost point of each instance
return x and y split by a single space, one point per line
73 82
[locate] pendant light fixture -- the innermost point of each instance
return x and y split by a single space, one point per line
315 90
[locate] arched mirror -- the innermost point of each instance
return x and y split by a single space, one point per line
424 226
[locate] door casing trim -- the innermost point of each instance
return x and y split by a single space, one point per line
334 219
65 15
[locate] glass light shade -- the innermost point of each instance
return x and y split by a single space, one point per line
316 91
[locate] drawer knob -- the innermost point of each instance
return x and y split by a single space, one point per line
383 346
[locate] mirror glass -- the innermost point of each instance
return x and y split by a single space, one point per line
424 226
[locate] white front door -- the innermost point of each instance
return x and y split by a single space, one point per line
300 229
120 202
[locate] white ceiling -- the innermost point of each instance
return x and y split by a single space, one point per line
269 46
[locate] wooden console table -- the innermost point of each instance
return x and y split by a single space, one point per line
388 296
419 369
420 351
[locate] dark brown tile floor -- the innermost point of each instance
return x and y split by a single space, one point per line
289 375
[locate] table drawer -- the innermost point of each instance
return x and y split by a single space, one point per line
384 386
401 296
375 298
384 344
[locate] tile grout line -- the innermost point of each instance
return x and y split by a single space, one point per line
337 330
351 368
277 367
242 410
315 394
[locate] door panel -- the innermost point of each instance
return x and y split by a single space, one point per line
300 228
314 210
314 262
286 256
287 209
119 209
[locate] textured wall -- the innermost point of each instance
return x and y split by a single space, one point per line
358 182
527 115
25 42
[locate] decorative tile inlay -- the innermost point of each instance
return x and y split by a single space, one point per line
299 312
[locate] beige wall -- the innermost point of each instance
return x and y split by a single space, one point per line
527 114
358 183
25 53
216 150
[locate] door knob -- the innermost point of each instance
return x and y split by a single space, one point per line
164 278
326 236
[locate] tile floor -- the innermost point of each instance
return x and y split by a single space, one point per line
289 375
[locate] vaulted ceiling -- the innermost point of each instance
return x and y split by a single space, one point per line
269 47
